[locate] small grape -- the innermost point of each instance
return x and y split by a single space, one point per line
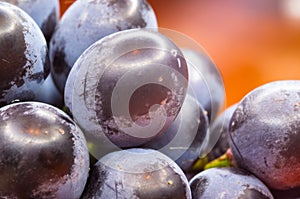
228 183
218 138
184 139
205 82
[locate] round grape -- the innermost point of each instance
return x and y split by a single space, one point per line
228 183
127 88
184 139
43 153
265 133
218 139
24 62
137 173
85 22
205 82
44 12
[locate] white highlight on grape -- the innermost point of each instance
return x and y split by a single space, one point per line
123 91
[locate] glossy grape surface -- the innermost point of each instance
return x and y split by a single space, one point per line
44 12
127 88
49 93
85 22
24 62
43 153
265 133
137 173
228 183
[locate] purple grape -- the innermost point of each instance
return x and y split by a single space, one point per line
228 183
44 12
127 88
43 153
205 82
136 173
218 141
265 133
183 141
85 22
24 62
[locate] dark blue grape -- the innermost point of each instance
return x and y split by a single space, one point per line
218 139
228 183
44 12
205 82
136 173
265 133
184 139
43 153
24 62
127 88
85 22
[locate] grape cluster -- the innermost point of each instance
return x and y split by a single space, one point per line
102 103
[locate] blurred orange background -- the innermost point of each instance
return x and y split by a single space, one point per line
252 41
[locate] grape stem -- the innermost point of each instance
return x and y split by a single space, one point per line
225 160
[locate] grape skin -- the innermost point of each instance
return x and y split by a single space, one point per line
43 153
44 12
184 139
228 183
265 136
85 22
137 173
150 75
218 138
24 62
205 82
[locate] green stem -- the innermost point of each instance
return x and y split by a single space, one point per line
225 160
